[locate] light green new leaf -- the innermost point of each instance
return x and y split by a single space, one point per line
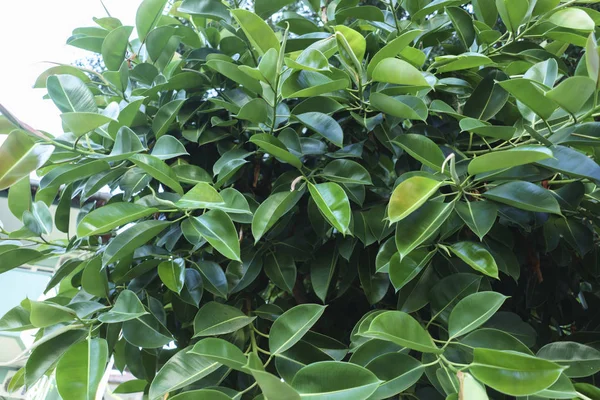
218 319
217 228
70 94
114 47
19 156
400 328
111 216
513 373
260 35
292 325
333 204
512 12
572 93
526 196
476 256
206 8
527 92
399 72
473 311
410 195
573 18
81 368
80 123
147 16
128 241
128 306
201 196
508 158
392 49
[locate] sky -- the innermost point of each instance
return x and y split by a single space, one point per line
35 32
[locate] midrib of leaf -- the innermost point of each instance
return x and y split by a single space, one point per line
352 389
389 336
427 232
225 322
473 218
474 322
66 96
298 333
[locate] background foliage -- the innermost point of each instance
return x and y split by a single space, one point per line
348 200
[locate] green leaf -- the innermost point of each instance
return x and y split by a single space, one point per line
479 216
463 61
213 278
275 147
206 8
132 386
509 158
324 125
526 196
347 172
407 107
127 307
203 394
402 329
44 356
403 270
19 156
183 369
392 49
463 23
81 368
114 47
15 320
473 311
514 373
62 218
356 41
292 325
476 256
573 18
165 117
172 274
201 196
410 195
333 204
272 209
396 71
352 381
157 169
94 279
527 92
221 351
421 225
512 12
488 98
111 216
321 273
281 270
572 93
19 197
272 386
234 73
260 35
422 149
494 339
70 173
398 373
582 360
147 16
80 123
217 228
146 332
70 94
167 147
128 241
218 319
45 314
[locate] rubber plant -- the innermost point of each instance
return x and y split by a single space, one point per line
352 201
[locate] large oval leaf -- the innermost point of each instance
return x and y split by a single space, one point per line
399 72
398 373
316 381
217 228
422 148
81 368
473 311
514 373
333 204
508 158
324 125
477 257
526 196
272 209
409 195
221 351
129 240
218 319
111 216
292 325
256 29
582 360
20 156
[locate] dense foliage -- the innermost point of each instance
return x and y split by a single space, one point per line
369 200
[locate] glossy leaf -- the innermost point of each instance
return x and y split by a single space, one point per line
20 156
333 204
218 319
410 195
290 327
129 240
80 369
524 195
217 228
111 216
473 311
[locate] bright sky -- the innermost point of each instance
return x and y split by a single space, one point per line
36 31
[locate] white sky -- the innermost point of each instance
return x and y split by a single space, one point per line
35 31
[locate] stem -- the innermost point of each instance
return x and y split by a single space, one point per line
393 10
